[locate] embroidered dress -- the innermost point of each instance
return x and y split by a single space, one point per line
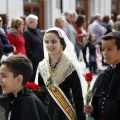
68 80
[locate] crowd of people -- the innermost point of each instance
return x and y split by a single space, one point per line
53 61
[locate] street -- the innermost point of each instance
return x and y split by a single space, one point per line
85 70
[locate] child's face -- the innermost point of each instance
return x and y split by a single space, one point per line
93 37
110 52
53 45
7 80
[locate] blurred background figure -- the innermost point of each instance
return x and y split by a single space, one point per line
106 24
117 23
98 30
5 23
60 22
74 17
25 24
82 34
69 28
15 35
7 47
92 46
34 42
91 20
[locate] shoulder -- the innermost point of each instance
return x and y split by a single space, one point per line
30 98
26 31
100 77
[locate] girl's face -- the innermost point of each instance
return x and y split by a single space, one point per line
93 38
52 43
110 52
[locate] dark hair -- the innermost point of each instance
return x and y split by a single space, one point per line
106 18
61 39
4 18
24 18
113 35
91 34
80 20
19 64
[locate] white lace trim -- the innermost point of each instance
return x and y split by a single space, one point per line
63 69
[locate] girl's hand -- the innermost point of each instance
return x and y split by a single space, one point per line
88 109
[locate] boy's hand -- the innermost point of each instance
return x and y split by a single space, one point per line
88 109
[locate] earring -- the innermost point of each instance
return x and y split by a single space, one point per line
61 50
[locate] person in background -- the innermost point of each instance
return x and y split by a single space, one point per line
5 22
18 102
34 43
61 74
106 24
98 29
92 46
60 22
117 23
1 49
106 96
25 24
79 26
1 54
91 20
15 35
7 47
69 28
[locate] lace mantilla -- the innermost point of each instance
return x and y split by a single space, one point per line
63 69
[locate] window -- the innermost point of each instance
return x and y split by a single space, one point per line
80 3
34 1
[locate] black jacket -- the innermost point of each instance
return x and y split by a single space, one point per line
26 106
106 94
34 48
34 44
7 47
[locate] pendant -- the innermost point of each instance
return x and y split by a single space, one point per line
53 72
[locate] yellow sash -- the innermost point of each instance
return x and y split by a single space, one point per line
56 92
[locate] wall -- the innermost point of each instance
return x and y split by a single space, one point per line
100 6
14 8
52 10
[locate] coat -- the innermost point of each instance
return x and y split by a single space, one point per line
98 30
7 47
26 106
71 32
16 39
34 47
106 95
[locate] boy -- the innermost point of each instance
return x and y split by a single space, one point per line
106 90
18 102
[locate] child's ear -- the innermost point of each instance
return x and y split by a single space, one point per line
19 79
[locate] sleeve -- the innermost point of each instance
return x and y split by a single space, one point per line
28 47
33 110
77 96
13 41
7 47
100 29
1 50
